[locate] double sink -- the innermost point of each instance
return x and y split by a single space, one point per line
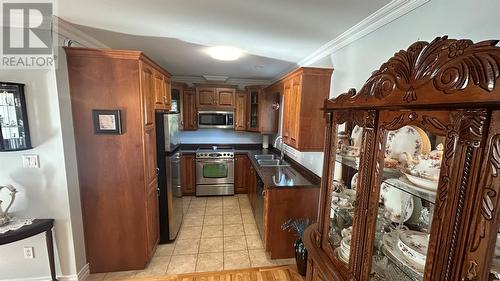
270 160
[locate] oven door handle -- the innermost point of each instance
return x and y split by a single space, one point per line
214 161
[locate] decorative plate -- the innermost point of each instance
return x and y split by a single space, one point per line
398 203
406 139
413 245
429 185
354 181
390 242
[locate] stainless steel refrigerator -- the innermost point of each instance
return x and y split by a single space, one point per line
169 180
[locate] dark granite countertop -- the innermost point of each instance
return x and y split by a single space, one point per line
273 177
278 177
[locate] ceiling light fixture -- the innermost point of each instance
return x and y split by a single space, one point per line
224 53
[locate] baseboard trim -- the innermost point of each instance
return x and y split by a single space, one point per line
82 275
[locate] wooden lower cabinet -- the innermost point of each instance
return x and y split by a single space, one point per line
188 174
281 204
252 186
241 173
153 218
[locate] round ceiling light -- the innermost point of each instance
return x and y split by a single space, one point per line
224 53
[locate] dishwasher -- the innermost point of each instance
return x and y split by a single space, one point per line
259 207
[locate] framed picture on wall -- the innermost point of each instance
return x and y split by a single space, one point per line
107 121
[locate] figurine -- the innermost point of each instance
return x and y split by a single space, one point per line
4 215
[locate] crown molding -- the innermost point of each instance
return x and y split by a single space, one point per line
190 80
390 12
70 32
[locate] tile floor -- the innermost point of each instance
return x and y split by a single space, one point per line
218 233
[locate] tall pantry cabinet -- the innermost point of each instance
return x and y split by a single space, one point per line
117 172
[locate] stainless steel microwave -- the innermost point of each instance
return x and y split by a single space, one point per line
216 119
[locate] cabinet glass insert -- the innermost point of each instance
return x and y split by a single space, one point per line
14 133
343 191
412 165
254 109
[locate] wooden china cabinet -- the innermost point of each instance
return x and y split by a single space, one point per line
411 180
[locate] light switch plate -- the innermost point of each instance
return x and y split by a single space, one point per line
31 161
29 253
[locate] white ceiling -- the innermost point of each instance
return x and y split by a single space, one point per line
275 34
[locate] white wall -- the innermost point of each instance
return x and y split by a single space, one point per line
460 19
219 136
44 192
477 20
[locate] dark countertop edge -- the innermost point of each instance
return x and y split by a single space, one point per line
249 149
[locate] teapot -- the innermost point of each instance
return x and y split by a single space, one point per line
4 217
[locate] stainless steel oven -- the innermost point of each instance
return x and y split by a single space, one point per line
216 119
214 172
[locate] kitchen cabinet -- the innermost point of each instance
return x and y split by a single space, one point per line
153 216
127 193
226 97
188 174
262 115
161 89
189 112
206 97
241 173
281 204
304 91
215 97
252 186
423 201
241 112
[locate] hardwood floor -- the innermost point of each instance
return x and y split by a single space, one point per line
282 273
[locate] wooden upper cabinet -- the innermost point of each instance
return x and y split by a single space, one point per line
206 97
161 88
304 94
148 93
189 112
262 116
225 97
167 93
241 112
215 96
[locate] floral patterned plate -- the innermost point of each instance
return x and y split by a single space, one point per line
390 242
413 244
406 139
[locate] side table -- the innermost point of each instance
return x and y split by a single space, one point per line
38 226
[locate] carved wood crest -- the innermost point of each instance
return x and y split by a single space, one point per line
451 65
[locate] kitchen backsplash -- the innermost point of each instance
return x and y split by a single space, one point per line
219 136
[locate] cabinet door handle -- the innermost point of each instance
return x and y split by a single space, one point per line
157 171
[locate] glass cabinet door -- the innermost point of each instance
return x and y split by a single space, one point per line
343 216
411 158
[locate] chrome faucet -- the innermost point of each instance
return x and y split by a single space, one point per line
282 149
